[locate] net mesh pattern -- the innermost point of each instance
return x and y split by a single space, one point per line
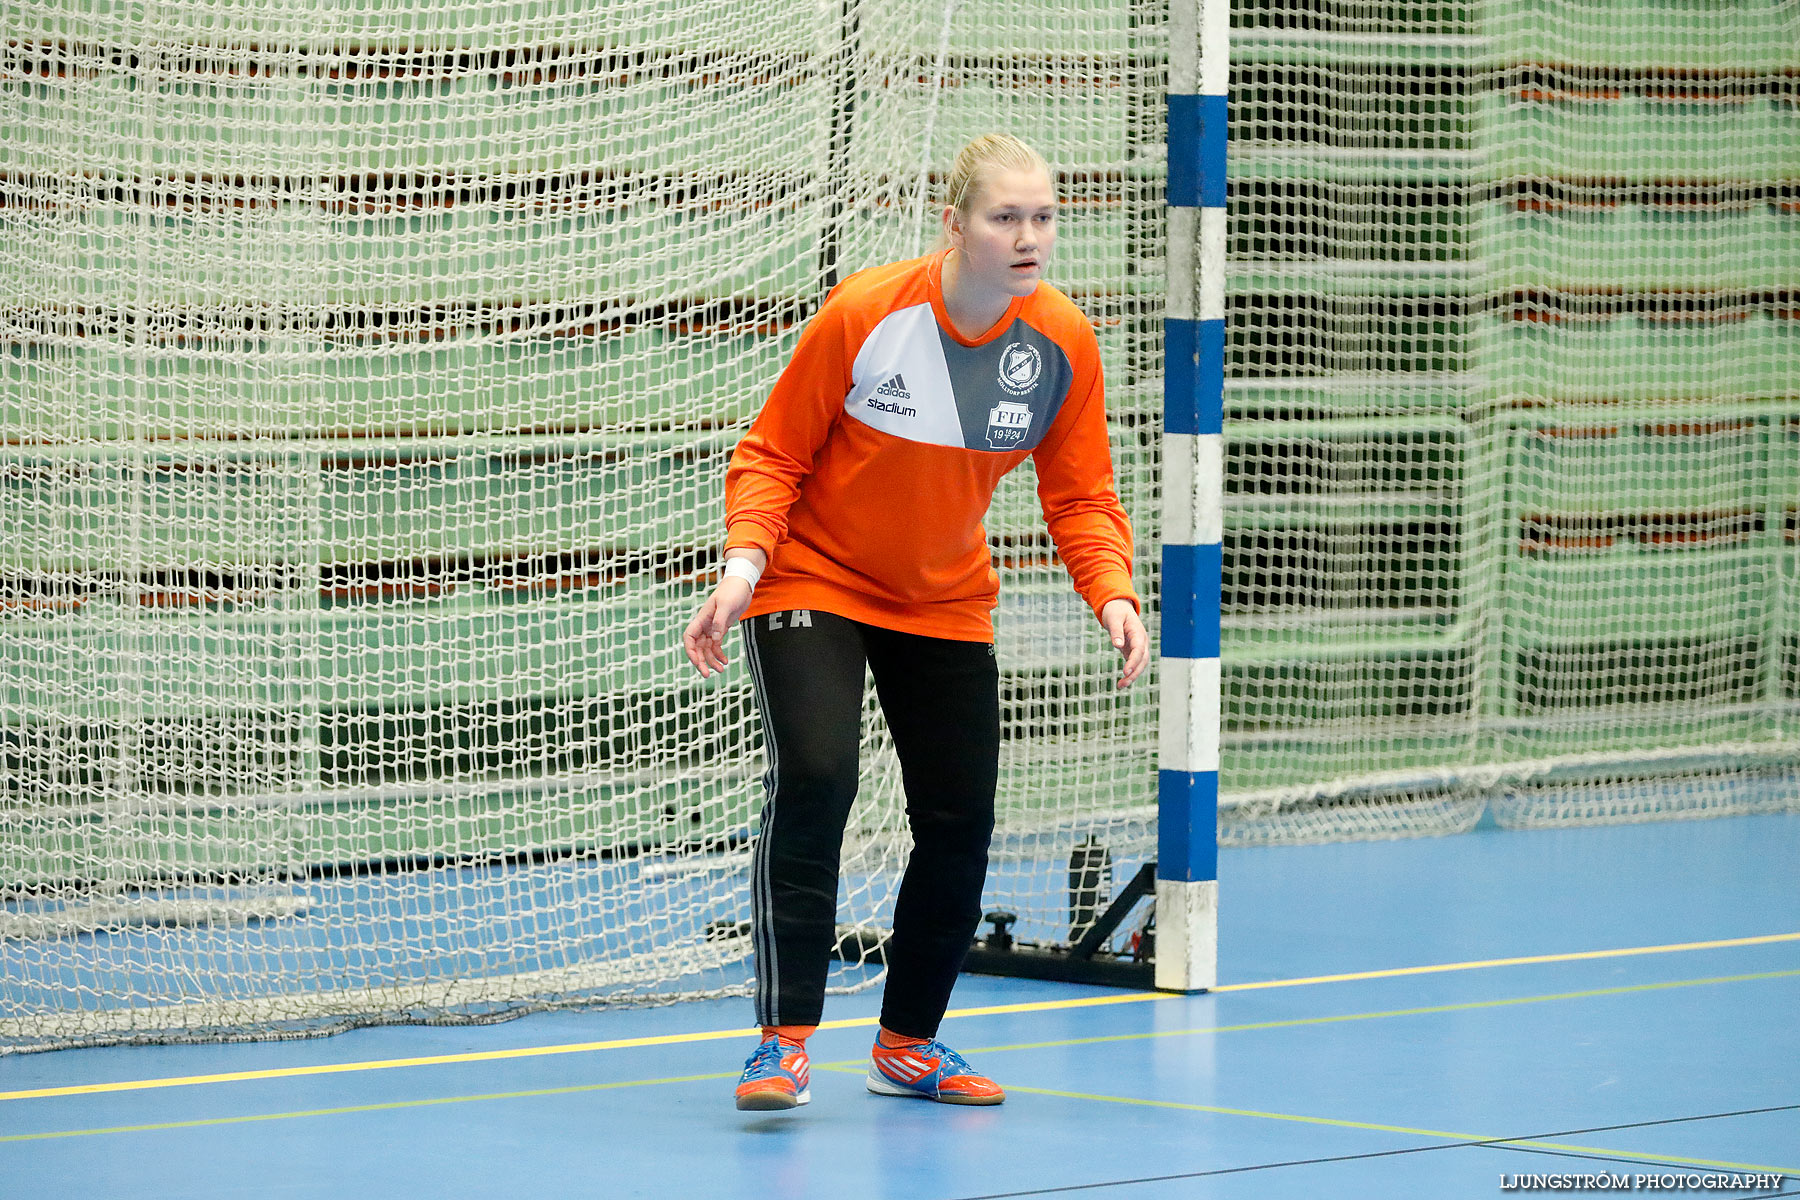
368 383
370 374
1511 414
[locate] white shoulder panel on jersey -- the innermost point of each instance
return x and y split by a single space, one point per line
900 382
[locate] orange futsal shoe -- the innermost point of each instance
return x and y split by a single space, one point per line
775 1077
929 1070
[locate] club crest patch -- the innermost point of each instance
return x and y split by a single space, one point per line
1008 423
1020 367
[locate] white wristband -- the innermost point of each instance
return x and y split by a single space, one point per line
744 569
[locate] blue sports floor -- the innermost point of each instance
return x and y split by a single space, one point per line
1621 1003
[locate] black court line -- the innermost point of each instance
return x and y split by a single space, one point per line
1499 1143
1662 1164
1742 1112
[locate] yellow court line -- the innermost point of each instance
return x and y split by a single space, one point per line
860 1065
575 1089
476 1056
676 1039
1672 1159
1465 1006
352 1109
386 1064
1576 956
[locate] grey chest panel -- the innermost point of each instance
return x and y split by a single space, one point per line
1008 390
912 380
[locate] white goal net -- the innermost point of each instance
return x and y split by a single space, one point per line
369 377
1512 414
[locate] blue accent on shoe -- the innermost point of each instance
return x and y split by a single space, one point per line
769 1063
907 1072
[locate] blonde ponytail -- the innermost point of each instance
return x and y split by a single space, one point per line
980 160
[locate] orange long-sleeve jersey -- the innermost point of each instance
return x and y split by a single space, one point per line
866 477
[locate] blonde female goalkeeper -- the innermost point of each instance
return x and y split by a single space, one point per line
854 537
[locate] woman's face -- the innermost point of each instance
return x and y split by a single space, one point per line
1006 238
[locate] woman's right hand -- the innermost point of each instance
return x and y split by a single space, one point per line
704 638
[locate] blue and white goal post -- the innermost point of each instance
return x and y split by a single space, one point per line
1193 453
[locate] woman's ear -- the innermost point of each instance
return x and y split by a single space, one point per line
953 230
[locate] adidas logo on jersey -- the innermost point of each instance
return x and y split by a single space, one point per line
895 387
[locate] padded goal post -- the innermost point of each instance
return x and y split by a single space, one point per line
1187 888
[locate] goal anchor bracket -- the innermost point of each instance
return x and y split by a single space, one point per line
1083 962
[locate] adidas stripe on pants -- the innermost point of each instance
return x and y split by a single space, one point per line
941 701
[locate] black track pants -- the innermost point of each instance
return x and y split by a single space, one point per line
941 700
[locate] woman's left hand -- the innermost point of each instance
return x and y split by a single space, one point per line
1126 629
